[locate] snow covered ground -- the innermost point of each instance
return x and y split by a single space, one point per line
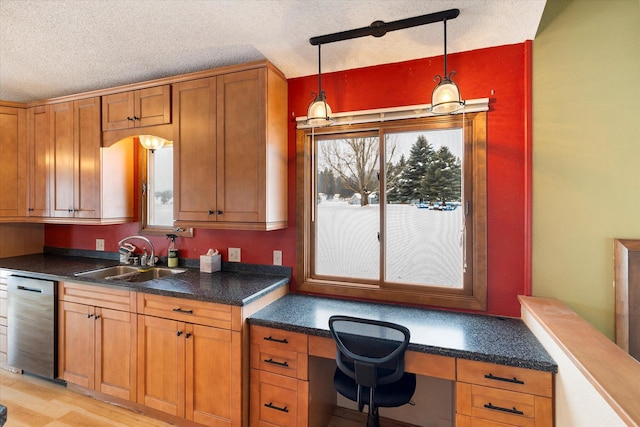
423 246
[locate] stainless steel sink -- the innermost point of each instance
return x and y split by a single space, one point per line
129 273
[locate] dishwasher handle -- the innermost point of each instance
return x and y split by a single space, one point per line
25 288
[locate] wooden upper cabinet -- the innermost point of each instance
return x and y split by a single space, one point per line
144 107
194 150
87 182
13 173
39 155
230 151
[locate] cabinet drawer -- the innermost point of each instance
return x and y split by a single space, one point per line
505 377
283 362
503 406
186 310
98 296
278 400
467 421
279 338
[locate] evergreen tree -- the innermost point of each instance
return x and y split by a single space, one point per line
420 158
442 181
394 179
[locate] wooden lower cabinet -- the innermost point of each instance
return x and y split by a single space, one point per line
279 378
189 370
97 349
489 395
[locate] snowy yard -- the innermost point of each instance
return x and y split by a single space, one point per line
423 246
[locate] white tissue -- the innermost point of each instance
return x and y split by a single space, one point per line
211 262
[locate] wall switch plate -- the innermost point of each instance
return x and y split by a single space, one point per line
234 254
277 257
99 244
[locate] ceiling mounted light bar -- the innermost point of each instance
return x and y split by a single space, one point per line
380 28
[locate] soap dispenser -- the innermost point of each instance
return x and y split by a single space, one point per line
172 258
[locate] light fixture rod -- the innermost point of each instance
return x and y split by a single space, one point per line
380 28
445 49
319 71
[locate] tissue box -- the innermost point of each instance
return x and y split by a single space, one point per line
210 263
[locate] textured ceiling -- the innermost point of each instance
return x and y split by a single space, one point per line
51 48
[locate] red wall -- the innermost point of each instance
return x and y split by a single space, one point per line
501 74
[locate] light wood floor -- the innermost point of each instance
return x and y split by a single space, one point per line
34 402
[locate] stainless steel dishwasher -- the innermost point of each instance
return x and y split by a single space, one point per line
32 326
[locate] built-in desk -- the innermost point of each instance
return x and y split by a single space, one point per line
502 375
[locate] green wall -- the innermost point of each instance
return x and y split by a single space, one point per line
586 150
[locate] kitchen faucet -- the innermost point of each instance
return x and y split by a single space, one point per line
152 258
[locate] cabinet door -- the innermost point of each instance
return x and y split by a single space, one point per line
63 160
87 163
194 150
116 365
152 106
13 146
39 152
241 146
76 343
118 111
161 346
213 375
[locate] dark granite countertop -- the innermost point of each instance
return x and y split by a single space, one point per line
500 340
224 287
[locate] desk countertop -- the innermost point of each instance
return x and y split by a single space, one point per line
500 340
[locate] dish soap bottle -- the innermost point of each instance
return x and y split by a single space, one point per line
172 258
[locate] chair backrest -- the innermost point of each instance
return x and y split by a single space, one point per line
369 351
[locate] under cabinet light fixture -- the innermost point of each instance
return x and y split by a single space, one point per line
152 142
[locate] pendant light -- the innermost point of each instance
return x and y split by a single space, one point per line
445 98
319 113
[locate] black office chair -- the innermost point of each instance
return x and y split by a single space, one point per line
370 359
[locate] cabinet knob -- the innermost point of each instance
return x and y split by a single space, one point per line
70 210
210 212
97 316
89 316
30 209
130 119
187 335
136 118
178 333
219 212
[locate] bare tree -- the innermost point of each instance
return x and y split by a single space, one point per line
355 162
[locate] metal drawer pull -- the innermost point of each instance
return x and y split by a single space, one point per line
275 362
272 406
498 408
270 338
179 310
513 380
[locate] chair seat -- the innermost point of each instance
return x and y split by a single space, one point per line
387 395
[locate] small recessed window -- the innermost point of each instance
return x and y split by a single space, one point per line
156 191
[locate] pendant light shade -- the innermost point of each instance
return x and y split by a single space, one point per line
445 98
319 113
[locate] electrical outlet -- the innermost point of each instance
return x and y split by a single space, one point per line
234 254
277 257
99 244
